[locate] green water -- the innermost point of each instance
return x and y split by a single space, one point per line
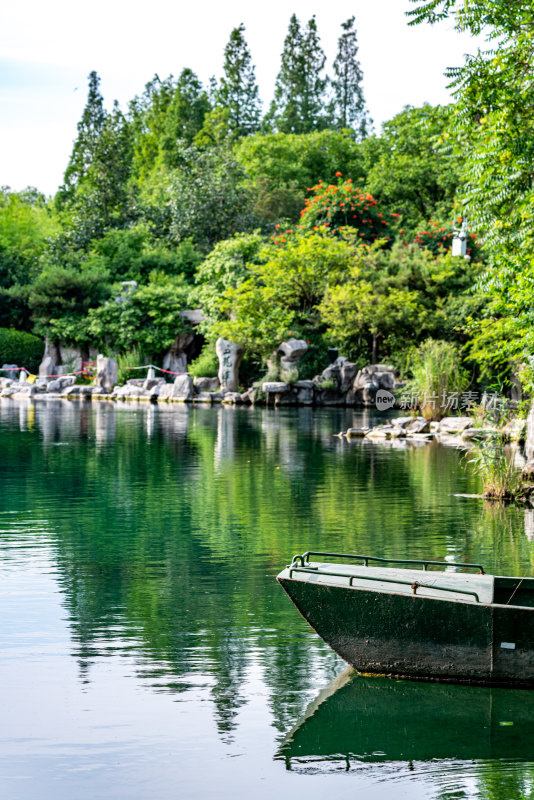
146 650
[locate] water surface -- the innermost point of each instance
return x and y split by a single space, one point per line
146 649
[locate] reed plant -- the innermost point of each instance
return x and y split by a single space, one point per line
134 358
438 376
494 460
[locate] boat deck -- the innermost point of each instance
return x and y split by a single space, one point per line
444 585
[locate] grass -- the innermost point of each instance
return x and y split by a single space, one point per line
437 376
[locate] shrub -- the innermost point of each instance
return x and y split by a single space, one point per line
134 358
206 365
438 378
494 461
23 349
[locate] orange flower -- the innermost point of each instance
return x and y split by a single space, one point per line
339 174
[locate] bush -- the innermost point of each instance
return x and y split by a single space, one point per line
134 358
438 378
23 349
206 365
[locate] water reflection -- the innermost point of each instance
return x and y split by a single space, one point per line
162 530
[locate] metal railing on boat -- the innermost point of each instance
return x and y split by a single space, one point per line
305 557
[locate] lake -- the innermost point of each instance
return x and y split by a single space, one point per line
146 650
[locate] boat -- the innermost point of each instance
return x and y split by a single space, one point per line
359 720
418 621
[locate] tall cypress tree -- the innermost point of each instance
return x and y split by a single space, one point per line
89 130
185 115
348 104
300 86
238 91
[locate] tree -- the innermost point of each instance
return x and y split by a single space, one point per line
238 91
410 168
208 199
89 129
348 104
184 116
298 105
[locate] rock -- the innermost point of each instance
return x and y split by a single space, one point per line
206 384
230 356
402 422
379 433
369 380
529 440
274 387
348 372
47 367
150 383
5 382
231 398
60 384
216 397
193 315
246 398
10 371
527 473
78 391
455 424
175 359
181 389
305 392
356 433
397 432
106 373
418 425
472 434
291 353
203 397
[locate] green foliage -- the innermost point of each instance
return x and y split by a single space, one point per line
410 169
131 254
298 104
348 104
225 267
206 365
125 361
285 287
282 167
437 372
238 91
23 349
61 298
148 319
208 199
184 117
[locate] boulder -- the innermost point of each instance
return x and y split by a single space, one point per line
203 397
528 471
356 433
274 387
529 440
230 356
305 392
60 384
175 359
106 373
150 383
206 384
402 422
10 371
231 398
418 425
290 353
181 389
47 367
455 424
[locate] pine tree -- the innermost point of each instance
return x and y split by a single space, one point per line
238 91
348 104
299 92
89 129
185 115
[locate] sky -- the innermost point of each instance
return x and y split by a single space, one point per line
48 49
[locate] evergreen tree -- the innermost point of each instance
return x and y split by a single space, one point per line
300 86
89 130
348 104
238 91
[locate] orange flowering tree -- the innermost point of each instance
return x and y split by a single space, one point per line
335 206
438 239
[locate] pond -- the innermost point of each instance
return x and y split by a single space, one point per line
146 649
